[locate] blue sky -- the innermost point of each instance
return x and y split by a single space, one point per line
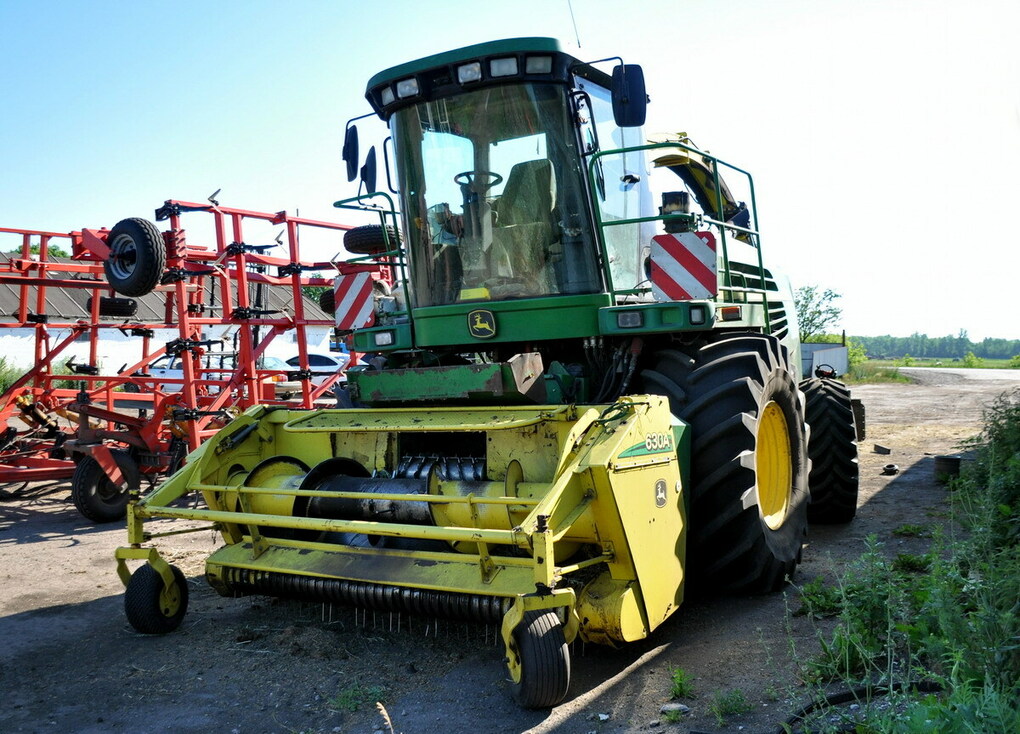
884 137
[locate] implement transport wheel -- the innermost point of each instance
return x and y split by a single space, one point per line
137 257
151 607
327 302
749 463
544 660
834 474
95 495
368 240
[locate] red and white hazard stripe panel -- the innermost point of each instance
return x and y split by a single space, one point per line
352 295
684 266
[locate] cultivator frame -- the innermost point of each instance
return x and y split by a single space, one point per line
86 418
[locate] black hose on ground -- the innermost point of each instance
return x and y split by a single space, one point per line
854 694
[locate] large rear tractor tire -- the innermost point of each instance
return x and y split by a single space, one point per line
835 474
749 463
151 607
137 257
95 495
544 661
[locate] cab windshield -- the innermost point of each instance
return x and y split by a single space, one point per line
493 196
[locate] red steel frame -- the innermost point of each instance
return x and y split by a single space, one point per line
92 419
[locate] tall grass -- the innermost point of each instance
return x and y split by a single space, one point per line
9 373
870 371
949 619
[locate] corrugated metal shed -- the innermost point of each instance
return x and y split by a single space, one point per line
70 304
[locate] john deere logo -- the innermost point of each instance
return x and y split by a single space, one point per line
482 324
660 493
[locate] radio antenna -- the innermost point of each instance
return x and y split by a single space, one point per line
577 35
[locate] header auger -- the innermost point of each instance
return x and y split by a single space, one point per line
580 399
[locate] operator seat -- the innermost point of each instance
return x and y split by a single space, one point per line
525 227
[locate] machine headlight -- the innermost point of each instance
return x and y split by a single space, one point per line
503 67
469 72
697 315
538 65
630 319
384 339
407 88
386 95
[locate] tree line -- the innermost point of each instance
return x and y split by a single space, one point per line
942 347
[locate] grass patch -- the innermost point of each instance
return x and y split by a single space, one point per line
912 531
355 697
728 703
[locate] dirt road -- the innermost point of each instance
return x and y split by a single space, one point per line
70 662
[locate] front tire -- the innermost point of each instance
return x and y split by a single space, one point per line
151 607
835 474
749 463
544 661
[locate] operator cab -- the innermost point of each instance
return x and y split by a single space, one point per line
491 154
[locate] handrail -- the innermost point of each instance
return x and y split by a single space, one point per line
749 234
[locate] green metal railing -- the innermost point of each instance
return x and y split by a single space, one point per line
727 282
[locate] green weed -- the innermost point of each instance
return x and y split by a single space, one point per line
910 563
949 616
673 717
818 600
680 684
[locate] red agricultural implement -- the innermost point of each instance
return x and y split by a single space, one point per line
212 309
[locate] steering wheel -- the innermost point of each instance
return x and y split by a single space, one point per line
470 178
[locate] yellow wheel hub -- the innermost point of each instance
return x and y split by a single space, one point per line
170 600
773 465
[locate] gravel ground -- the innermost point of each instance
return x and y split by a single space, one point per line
71 663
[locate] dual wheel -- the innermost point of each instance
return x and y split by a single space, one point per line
835 474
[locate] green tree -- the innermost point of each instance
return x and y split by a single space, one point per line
816 310
51 251
972 360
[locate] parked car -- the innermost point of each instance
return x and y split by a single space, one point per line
169 367
321 365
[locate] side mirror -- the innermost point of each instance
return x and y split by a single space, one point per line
368 171
350 152
630 100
